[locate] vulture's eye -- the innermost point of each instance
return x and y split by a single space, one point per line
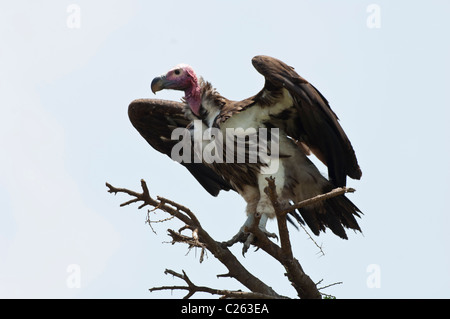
177 72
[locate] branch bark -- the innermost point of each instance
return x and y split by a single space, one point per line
301 282
235 268
192 289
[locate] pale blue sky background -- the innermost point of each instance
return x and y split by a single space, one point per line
64 132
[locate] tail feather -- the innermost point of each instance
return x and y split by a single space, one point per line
337 213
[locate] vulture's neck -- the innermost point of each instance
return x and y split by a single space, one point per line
193 97
204 104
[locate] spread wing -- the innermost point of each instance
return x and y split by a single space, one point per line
314 124
155 120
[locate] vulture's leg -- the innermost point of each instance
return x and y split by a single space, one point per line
244 234
276 171
258 203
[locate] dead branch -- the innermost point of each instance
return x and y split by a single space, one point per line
150 222
192 289
321 252
327 286
223 254
330 285
302 283
192 242
335 192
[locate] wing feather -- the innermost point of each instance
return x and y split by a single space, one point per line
155 120
317 125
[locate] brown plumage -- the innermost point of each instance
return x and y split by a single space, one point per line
155 120
288 103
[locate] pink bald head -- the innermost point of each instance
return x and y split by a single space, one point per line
182 78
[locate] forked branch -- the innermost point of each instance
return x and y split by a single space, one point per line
192 289
223 254
302 283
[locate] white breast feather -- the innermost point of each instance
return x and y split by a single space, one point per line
255 115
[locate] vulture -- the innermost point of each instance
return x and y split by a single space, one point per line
288 120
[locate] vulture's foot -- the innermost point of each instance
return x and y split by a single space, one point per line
245 235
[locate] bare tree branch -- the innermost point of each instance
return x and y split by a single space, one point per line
192 289
335 192
223 254
301 282
330 285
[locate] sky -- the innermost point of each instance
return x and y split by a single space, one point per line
69 69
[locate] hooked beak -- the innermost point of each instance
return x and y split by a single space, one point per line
159 83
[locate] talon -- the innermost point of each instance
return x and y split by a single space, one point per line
240 237
246 237
271 235
247 243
